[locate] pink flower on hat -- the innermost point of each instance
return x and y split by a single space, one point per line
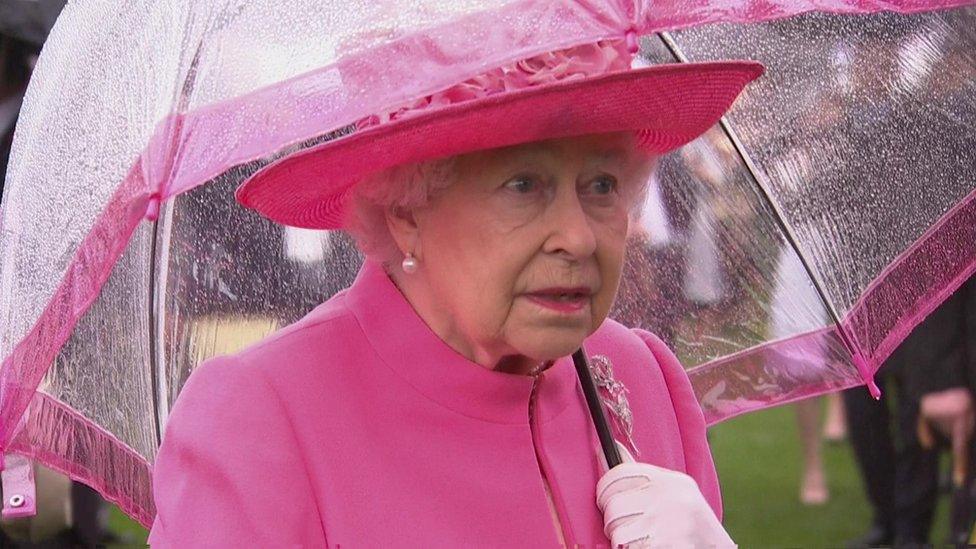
567 64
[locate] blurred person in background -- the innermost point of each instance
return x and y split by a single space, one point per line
792 295
929 378
717 298
649 296
793 292
704 283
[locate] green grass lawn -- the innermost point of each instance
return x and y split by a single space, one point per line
129 532
758 460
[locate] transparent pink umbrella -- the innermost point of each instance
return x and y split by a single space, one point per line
783 255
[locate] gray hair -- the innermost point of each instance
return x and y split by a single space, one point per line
407 186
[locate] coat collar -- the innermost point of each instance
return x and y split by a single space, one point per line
409 347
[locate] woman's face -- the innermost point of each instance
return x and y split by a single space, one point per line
519 259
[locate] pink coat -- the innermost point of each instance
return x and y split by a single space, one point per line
358 427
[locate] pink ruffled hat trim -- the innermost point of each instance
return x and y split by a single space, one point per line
548 68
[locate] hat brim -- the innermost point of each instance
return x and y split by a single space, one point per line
669 105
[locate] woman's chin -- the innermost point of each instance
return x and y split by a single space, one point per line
552 344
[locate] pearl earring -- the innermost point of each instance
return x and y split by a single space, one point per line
409 264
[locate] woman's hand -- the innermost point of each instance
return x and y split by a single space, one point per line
648 506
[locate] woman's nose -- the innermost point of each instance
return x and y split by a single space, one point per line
570 228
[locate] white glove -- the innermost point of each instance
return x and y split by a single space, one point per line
647 506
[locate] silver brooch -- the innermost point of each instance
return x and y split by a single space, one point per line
614 397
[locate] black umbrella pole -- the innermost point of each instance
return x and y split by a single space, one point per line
596 409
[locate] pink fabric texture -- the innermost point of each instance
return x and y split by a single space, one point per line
66 441
774 373
19 494
548 68
667 105
357 426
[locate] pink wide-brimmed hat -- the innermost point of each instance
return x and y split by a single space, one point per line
578 91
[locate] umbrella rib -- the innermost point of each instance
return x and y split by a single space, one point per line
778 214
157 281
153 340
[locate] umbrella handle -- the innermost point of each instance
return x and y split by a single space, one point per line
607 442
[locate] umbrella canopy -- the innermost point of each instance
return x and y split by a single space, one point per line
783 254
864 139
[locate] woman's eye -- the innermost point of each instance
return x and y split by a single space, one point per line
603 185
522 185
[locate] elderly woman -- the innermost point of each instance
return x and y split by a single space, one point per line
434 402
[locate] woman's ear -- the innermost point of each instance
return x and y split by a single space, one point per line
403 227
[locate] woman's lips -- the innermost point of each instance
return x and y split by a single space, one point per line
563 300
